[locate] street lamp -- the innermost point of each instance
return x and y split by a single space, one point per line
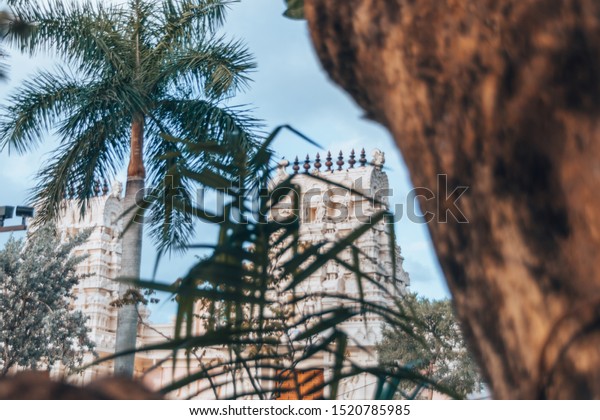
6 212
24 213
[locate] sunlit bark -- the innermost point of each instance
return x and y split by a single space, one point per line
504 97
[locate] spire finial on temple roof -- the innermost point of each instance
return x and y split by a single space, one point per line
340 161
363 158
352 161
329 162
306 165
296 166
317 164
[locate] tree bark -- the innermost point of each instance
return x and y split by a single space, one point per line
503 97
29 385
131 256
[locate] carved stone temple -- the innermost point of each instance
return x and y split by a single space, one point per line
319 221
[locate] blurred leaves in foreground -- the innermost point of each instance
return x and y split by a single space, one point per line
294 9
242 302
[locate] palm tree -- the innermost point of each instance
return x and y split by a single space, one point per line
134 73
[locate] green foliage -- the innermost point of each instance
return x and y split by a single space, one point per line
431 344
159 60
295 9
37 326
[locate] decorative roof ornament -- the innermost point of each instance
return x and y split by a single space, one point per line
378 158
340 161
363 158
329 162
317 164
306 165
352 161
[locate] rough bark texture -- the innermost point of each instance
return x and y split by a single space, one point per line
131 257
136 168
504 97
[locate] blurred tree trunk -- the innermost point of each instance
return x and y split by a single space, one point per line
35 385
503 97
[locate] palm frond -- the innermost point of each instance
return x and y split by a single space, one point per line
3 66
36 107
95 152
171 195
183 21
204 121
215 66
207 130
87 34
181 167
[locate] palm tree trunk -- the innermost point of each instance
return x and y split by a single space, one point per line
131 257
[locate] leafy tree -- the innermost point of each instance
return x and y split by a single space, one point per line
431 343
38 329
133 72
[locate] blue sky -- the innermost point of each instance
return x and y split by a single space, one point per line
289 87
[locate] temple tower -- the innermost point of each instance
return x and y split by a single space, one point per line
329 210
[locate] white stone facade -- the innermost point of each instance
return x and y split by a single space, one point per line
327 211
330 211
